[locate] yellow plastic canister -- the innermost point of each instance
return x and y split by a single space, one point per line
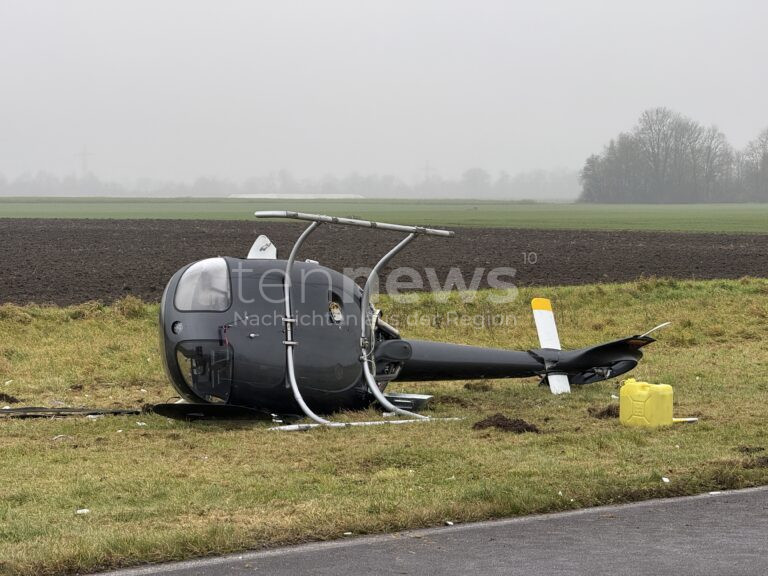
645 405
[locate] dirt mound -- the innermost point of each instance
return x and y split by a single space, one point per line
477 386
610 411
750 449
8 399
74 261
759 462
501 422
448 400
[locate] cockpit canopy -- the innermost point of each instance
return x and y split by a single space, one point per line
204 287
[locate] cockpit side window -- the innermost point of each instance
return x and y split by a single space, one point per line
204 287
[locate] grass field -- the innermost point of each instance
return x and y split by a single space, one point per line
752 218
159 489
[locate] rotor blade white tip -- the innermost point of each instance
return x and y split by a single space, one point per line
558 383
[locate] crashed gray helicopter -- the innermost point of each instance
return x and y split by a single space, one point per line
236 342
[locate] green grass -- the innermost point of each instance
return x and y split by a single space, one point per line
752 218
172 490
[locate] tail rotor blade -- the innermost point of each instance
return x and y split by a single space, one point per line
548 338
558 383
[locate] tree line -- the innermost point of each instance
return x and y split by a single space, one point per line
669 158
473 183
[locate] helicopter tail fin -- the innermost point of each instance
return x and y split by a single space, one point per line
548 338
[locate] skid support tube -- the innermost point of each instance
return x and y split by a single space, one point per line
290 343
368 336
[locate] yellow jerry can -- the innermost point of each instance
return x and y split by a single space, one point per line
645 405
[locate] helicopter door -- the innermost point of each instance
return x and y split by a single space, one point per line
327 358
255 332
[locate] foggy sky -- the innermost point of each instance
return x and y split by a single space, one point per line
177 89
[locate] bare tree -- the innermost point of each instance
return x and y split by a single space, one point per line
654 134
670 158
755 168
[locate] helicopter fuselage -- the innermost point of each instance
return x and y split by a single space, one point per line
222 336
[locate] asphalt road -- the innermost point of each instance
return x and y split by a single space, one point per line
720 533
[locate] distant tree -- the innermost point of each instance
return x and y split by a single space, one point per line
475 182
654 134
591 178
670 158
717 158
755 168
503 184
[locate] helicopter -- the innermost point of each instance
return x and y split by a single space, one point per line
282 340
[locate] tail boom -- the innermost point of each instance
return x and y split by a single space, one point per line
441 361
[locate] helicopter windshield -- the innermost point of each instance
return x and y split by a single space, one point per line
204 287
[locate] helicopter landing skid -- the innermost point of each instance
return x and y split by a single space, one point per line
187 411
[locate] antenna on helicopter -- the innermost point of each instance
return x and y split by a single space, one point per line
262 249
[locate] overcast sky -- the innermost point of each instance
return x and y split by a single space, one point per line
177 89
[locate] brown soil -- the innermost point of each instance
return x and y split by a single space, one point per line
8 399
750 449
448 400
759 462
477 386
71 261
501 422
610 411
